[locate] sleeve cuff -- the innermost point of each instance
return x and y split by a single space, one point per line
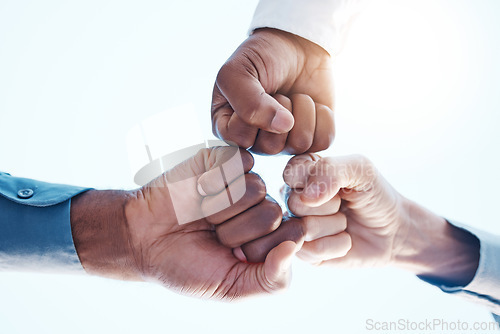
322 22
35 228
485 286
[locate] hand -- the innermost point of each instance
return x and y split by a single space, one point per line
275 94
144 234
385 227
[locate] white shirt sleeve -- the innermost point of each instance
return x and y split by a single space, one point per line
324 22
485 286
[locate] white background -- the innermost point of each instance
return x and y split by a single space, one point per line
417 91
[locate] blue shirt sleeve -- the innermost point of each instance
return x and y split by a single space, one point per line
484 288
35 228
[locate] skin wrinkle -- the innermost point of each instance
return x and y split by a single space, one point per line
266 284
274 218
215 291
265 44
228 288
398 248
253 69
299 65
138 260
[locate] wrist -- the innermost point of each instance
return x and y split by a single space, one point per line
434 249
101 235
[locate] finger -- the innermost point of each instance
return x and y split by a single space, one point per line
298 169
249 100
300 138
268 143
317 227
326 248
350 260
272 143
296 206
329 175
230 127
271 276
276 273
324 133
291 229
224 165
245 192
254 223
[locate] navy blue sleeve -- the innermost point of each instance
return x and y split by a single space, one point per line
484 288
35 228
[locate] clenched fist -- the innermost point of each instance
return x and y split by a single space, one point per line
275 95
179 230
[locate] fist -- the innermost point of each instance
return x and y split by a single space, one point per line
275 95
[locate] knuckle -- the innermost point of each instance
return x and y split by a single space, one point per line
273 215
368 170
255 185
204 153
305 255
291 204
283 100
346 242
269 147
202 157
223 236
320 144
309 225
272 150
292 208
325 168
239 139
324 110
299 142
336 202
324 137
296 232
246 158
295 205
318 247
301 98
342 220
324 140
289 173
363 160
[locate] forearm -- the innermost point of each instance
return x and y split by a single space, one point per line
101 235
434 249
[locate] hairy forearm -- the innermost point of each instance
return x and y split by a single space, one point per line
437 250
101 236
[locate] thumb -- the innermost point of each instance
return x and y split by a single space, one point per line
249 100
276 271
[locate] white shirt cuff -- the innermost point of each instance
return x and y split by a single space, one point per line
323 22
